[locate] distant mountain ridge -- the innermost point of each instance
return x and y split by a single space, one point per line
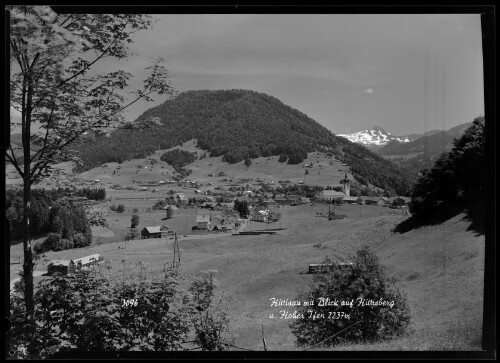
376 136
431 144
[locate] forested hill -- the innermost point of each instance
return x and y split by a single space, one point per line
237 124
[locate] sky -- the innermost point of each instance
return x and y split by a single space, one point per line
407 73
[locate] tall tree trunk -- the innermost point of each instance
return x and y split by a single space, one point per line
28 256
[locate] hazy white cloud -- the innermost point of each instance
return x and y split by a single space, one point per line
368 90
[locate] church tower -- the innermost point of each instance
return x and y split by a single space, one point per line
347 187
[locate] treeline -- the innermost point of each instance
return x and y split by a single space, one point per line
179 158
458 176
47 214
237 125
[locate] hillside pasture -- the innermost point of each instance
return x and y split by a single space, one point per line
440 268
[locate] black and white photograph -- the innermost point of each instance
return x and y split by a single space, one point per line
249 181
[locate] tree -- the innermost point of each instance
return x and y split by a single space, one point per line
134 221
169 211
211 323
132 234
120 208
54 85
379 310
242 208
248 162
458 176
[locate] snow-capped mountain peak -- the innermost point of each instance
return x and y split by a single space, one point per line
374 136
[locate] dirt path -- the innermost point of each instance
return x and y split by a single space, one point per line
35 274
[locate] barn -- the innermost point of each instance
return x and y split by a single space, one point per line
352 200
61 266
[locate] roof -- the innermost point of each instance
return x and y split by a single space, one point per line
155 229
277 198
59 263
332 193
87 259
374 199
351 198
202 218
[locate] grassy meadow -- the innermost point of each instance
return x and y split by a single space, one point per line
440 268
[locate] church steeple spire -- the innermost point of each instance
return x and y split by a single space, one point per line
347 187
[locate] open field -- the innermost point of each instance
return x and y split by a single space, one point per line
440 268
325 171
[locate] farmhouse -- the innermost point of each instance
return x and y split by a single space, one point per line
331 195
269 202
293 198
155 232
202 221
207 205
376 200
181 198
83 263
352 200
304 200
260 216
281 199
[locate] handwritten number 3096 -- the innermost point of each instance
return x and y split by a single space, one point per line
130 302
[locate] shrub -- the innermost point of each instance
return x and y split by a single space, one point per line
120 208
160 318
79 240
211 323
38 247
366 280
52 241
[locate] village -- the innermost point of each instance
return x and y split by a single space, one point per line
211 209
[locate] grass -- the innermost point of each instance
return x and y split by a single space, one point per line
440 266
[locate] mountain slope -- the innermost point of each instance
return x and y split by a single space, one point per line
238 125
429 145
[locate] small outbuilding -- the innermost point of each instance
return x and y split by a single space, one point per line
60 266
